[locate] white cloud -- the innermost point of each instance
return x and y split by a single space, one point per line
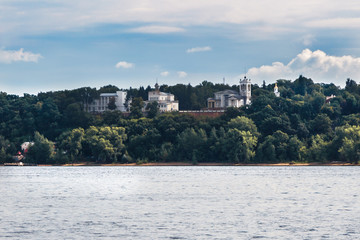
35 16
165 74
337 22
199 49
9 56
308 40
124 64
157 29
182 74
317 65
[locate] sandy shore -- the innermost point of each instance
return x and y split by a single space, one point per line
206 164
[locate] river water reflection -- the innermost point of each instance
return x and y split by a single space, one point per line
180 202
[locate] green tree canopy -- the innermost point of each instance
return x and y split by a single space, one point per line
42 152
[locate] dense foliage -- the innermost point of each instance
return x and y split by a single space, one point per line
299 126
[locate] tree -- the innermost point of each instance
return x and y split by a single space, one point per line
172 124
347 141
243 124
302 85
319 149
330 89
294 149
351 86
351 103
87 95
238 146
108 89
70 144
279 147
265 153
111 104
317 101
136 107
352 119
74 116
145 146
48 118
230 113
105 144
166 152
301 131
191 142
321 125
153 109
272 124
42 151
112 117
4 147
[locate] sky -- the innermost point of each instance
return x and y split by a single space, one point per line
50 45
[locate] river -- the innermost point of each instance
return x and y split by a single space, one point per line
290 202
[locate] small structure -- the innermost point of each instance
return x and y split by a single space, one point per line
231 98
328 98
25 146
166 101
102 104
276 90
18 157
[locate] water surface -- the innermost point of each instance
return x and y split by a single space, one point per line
180 202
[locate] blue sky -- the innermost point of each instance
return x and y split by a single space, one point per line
53 45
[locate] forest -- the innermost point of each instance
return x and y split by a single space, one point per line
299 126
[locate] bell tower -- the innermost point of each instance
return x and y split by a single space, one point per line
245 90
276 90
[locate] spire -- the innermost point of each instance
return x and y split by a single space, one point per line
276 90
245 90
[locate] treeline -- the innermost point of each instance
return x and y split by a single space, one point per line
299 126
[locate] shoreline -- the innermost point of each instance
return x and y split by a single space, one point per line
184 164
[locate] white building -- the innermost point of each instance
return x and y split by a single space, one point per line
102 104
166 101
276 90
231 98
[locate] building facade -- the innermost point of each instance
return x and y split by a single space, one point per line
276 90
231 98
166 101
102 104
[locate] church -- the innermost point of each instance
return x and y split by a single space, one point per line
231 98
166 101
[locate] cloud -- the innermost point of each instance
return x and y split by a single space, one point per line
45 16
182 74
157 29
317 65
165 74
199 49
338 22
9 56
308 40
124 64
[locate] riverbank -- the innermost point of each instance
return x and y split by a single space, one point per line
204 164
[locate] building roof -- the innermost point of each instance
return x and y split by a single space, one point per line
236 96
108 95
162 93
227 92
214 99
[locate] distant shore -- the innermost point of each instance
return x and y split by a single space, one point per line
202 164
